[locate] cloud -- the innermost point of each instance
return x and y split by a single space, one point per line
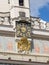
35 5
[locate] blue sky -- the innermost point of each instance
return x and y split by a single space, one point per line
40 8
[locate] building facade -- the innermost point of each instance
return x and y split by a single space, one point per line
23 39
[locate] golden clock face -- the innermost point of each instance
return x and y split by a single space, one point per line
23 29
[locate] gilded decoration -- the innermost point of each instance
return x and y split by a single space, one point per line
23 29
24 45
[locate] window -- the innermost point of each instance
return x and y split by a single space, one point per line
21 2
22 14
8 1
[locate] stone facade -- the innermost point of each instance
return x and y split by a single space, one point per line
13 27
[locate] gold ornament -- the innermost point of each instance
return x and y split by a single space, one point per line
18 33
24 44
23 29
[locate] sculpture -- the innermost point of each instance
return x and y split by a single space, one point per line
24 45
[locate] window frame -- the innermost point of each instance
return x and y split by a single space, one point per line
21 2
22 14
8 1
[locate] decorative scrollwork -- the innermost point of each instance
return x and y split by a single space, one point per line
24 44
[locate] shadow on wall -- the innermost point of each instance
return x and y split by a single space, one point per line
32 45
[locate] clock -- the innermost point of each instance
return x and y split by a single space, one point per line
23 29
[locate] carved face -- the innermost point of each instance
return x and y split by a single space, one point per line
23 29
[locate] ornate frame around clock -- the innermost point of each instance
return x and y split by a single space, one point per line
23 29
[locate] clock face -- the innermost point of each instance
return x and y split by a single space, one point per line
23 29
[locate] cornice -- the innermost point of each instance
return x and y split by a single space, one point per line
19 7
7 33
42 30
42 37
3 25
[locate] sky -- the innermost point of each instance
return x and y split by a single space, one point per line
40 8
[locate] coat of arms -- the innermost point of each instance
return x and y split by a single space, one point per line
23 45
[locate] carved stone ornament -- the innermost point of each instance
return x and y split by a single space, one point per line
24 45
